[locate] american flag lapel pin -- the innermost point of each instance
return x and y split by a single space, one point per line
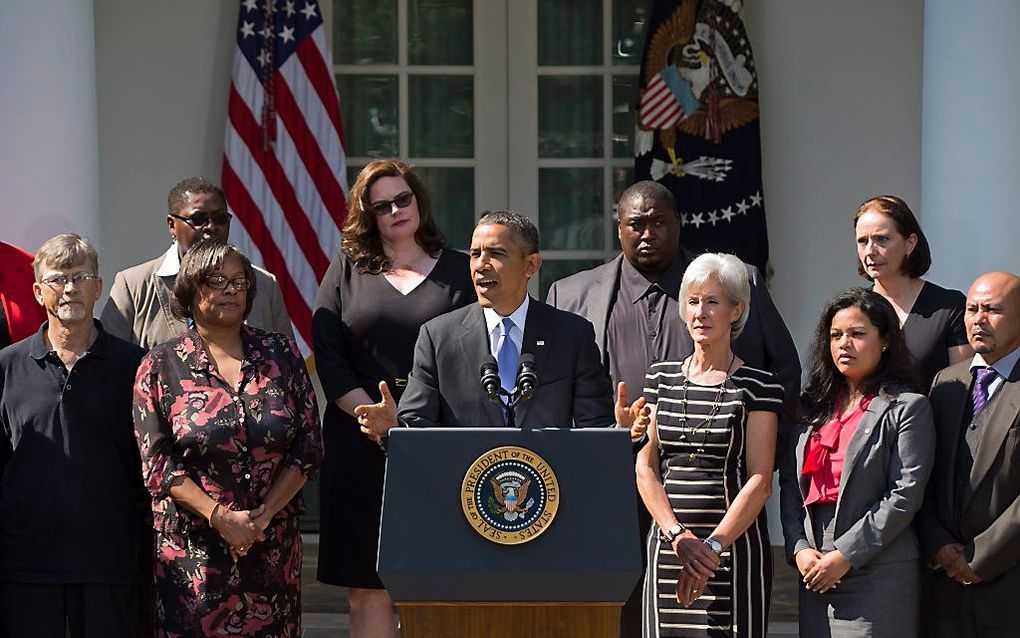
540 342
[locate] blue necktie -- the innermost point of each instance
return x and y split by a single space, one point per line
508 357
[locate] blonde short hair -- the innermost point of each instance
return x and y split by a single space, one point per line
65 251
731 274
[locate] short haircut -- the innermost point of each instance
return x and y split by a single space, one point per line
178 196
361 241
522 227
917 263
731 274
198 264
648 189
65 251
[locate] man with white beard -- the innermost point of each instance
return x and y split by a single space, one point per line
71 492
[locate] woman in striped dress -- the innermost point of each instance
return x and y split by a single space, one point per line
706 471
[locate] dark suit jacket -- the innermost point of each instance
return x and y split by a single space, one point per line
765 342
443 388
989 526
882 486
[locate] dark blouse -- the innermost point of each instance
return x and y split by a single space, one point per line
933 326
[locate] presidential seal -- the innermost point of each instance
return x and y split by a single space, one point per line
510 495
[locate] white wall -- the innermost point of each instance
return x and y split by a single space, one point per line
840 114
163 74
48 171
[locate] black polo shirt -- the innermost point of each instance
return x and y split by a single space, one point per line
71 490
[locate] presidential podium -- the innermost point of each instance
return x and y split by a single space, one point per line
507 533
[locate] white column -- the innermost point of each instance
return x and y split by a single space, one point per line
49 162
970 141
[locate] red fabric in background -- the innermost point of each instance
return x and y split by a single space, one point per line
24 314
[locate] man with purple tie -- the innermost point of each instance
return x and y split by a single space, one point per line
970 523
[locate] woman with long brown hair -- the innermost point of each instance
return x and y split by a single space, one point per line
392 275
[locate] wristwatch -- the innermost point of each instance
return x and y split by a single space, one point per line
714 545
669 535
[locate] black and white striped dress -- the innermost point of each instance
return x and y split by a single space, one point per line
701 489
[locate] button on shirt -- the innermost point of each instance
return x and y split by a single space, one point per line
644 326
71 496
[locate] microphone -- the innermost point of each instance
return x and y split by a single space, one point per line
527 376
490 377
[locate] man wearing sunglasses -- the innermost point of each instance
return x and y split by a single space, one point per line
139 305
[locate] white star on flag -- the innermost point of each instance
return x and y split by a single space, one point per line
309 11
247 29
287 33
249 5
697 219
727 213
289 8
742 207
756 199
712 217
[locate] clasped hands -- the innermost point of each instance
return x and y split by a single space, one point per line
697 564
240 529
950 557
821 572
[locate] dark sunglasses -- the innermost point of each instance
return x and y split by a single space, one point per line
201 219
385 207
219 282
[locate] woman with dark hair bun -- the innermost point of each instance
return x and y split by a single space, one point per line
857 474
893 252
392 275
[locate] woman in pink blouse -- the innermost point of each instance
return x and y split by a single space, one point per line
856 476
228 429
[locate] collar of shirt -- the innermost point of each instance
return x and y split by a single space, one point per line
493 321
1003 366
171 262
192 350
38 349
634 286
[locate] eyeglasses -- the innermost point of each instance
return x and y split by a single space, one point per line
201 218
385 207
218 282
60 281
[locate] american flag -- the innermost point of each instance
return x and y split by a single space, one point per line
284 171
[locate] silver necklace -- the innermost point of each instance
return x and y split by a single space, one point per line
687 431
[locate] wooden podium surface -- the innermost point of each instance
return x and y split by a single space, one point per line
509 620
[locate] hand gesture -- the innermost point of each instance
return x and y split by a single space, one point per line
827 571
636 417
376 419
695 556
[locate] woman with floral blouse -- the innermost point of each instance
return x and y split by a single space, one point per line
228 429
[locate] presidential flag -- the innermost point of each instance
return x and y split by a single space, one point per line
698 127
283 161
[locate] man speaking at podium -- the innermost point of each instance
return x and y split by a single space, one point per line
454 351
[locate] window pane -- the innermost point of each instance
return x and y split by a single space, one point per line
452 199
440 32
570 116
623 177
624 99
554 270
569 32
571 212
630 24
365 32
441 118
369 107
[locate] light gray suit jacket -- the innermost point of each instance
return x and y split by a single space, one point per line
885 473
139 306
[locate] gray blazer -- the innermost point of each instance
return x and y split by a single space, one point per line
139 306
765 342
882 486
444 388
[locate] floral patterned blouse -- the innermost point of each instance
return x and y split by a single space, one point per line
233 443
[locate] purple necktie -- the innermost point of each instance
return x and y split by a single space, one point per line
982 381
